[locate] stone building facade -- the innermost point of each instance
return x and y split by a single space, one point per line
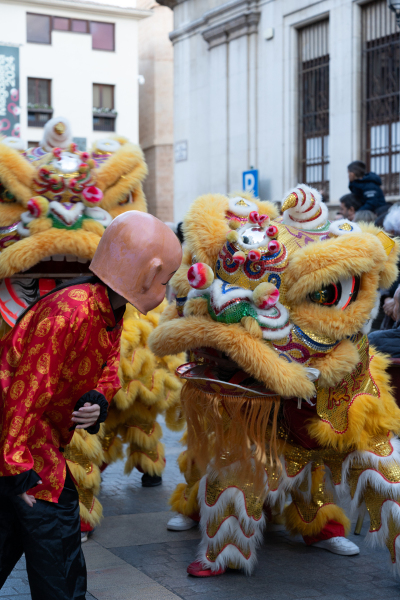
156 107
294 88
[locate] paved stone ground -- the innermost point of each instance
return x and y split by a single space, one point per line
133 557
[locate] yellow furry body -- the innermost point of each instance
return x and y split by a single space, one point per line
149 387
369 416
323 337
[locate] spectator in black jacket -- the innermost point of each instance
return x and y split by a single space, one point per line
387 339
366 187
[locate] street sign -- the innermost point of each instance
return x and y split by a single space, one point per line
181 151
250 181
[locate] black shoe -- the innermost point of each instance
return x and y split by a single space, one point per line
151 480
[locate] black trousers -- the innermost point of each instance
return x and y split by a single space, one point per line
49 534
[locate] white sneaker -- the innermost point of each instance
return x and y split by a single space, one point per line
84 537
180 523
338 545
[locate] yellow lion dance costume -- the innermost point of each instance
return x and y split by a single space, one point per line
50 225
283 394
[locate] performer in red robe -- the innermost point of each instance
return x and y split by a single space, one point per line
58 370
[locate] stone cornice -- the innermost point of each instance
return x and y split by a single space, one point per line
232 28
222 23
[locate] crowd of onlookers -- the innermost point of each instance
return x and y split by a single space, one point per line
366 202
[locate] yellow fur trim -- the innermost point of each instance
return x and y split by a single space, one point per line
16 174
197 307
121 173
183 456
205 227
87 445
149 387
28 252
169 314
179 281
336 364
253 355
184 499
330 512
10 213
93 226
152 464
175 417
389 274
95 515
144 437
87 480
252 327
113 451
368 416
39 225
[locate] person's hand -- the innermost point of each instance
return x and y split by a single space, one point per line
86 416
29 500
388 306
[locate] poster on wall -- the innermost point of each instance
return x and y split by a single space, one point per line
9 91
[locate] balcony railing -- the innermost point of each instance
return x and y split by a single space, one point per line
38 117
103 122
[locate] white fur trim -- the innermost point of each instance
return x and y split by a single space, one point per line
230 529
14 142
335 227
98 214
107 145
69 217
218 297
51 139
22 228
297 211
241 211
281 324
389 509
371 474
287 483
277 335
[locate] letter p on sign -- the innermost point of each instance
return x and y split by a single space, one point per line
250 181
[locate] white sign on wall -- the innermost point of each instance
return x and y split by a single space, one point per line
181 151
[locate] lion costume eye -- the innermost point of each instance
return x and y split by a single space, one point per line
339 294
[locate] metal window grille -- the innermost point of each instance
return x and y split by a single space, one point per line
314 105
381 87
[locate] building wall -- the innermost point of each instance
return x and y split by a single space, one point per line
73 67
156 107
236 93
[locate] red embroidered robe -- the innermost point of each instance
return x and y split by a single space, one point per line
66 345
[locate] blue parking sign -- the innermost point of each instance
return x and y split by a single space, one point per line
250 181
